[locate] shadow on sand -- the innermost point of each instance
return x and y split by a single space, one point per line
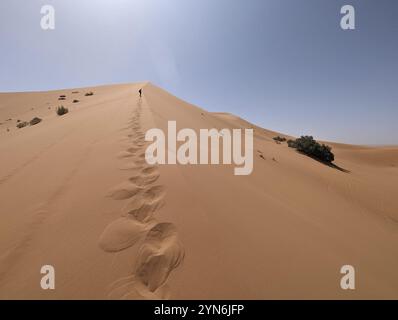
329 164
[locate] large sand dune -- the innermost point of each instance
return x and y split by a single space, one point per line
77 193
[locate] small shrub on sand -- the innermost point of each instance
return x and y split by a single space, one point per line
279 139
62 110
310 147
35 121
21 125
75 101
88 94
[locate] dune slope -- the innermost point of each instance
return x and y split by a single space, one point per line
76 193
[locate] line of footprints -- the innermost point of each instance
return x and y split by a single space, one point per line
160 250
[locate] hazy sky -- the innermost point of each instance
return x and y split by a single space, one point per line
282 64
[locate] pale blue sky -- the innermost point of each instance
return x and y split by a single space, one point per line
282 64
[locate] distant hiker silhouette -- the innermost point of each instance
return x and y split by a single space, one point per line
140 91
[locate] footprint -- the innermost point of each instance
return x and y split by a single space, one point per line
149 170
133 150
159 255
138 140
137 128
140 161
139 137
124 154
124 191
154 193
145 180
141 155
123 233
131 288
147 202
142 210
139 143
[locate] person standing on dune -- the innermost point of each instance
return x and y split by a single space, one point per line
140 91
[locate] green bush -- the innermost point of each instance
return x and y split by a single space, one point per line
310 147
22 124
292 143
35 121
279 139
62 110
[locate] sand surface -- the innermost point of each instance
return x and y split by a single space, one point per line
76 193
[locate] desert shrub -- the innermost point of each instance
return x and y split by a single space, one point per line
89 94
61 98
310 147
62 110
75 101
292 143
35 121
22 124
279 139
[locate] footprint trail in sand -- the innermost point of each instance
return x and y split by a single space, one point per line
160 250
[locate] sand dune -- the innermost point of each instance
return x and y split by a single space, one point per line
77 193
